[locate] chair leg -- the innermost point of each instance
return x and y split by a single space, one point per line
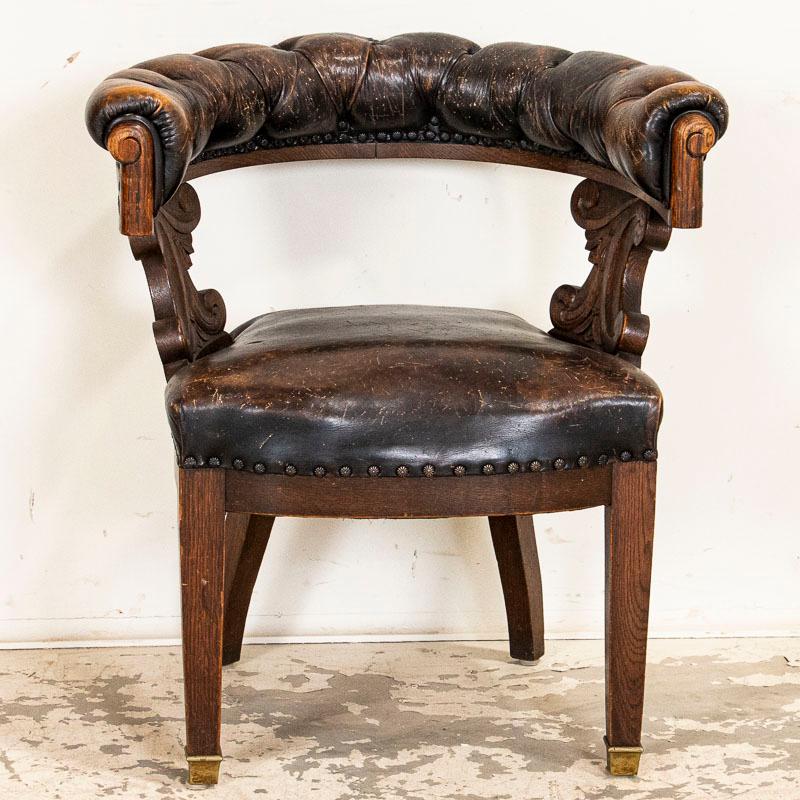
629 549
201 510
514 542
246 537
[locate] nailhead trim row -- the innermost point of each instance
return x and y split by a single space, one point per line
433 132
427 470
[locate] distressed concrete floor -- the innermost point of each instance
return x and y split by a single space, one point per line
405 721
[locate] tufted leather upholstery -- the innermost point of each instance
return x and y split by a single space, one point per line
608 108
392 386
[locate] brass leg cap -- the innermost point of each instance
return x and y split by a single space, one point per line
622 760
203 770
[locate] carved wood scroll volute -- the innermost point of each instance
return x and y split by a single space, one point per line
605 313
188 323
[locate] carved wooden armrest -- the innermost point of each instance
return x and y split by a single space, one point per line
621 233
188 323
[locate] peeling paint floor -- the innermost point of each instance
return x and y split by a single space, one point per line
405 721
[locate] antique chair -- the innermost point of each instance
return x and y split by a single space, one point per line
450 412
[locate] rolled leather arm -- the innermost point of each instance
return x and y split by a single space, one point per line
614 110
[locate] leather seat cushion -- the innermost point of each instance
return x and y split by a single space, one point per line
390 386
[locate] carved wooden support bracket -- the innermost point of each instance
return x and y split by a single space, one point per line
692 137
188 323
621 233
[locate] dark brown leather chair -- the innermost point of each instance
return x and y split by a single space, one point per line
393 411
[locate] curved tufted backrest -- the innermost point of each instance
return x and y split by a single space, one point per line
611 110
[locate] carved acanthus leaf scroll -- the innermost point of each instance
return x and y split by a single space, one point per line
188 323
605 313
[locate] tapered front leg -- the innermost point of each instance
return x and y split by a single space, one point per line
629 548
514 543
202 543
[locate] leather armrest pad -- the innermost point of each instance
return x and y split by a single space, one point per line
611 109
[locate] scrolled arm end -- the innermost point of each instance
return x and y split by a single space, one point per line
692 137
132 145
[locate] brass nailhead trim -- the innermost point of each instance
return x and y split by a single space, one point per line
428 470
344 133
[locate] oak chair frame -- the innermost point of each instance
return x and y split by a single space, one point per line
226 515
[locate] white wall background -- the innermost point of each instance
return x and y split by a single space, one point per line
89 540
